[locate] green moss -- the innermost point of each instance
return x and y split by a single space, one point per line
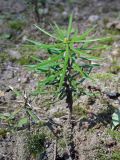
59 114
24 60
115 69
115 155
101 155
112 31
16 24
62 144
3 132
27 51
97 54
4 57
79 110
114 134
28 48
36 143
103 76
41 123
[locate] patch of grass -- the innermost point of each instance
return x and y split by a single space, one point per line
3 132
27 51
113 31
97 54
4 57
16 24
115 155
115 69
62 144
79 110
114 134
36 143
24 60
41 123
101 155
59 114
103 76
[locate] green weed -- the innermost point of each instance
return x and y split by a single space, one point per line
16 24
36 143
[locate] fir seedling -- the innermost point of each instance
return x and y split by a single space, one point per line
69 62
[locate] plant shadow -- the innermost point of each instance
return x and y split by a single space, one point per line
104 118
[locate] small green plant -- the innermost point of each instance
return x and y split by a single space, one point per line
68 64
16 25
79 111
115 155
114 134
36 143
59 114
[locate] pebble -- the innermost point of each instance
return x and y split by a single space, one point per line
14 54
115 52
93 18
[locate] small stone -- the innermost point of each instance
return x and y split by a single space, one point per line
115 52
24 38
57 120
19 80
93 18
98 133
84 138
65 14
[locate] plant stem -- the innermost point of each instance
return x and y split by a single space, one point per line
69 97
69 100
35 3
